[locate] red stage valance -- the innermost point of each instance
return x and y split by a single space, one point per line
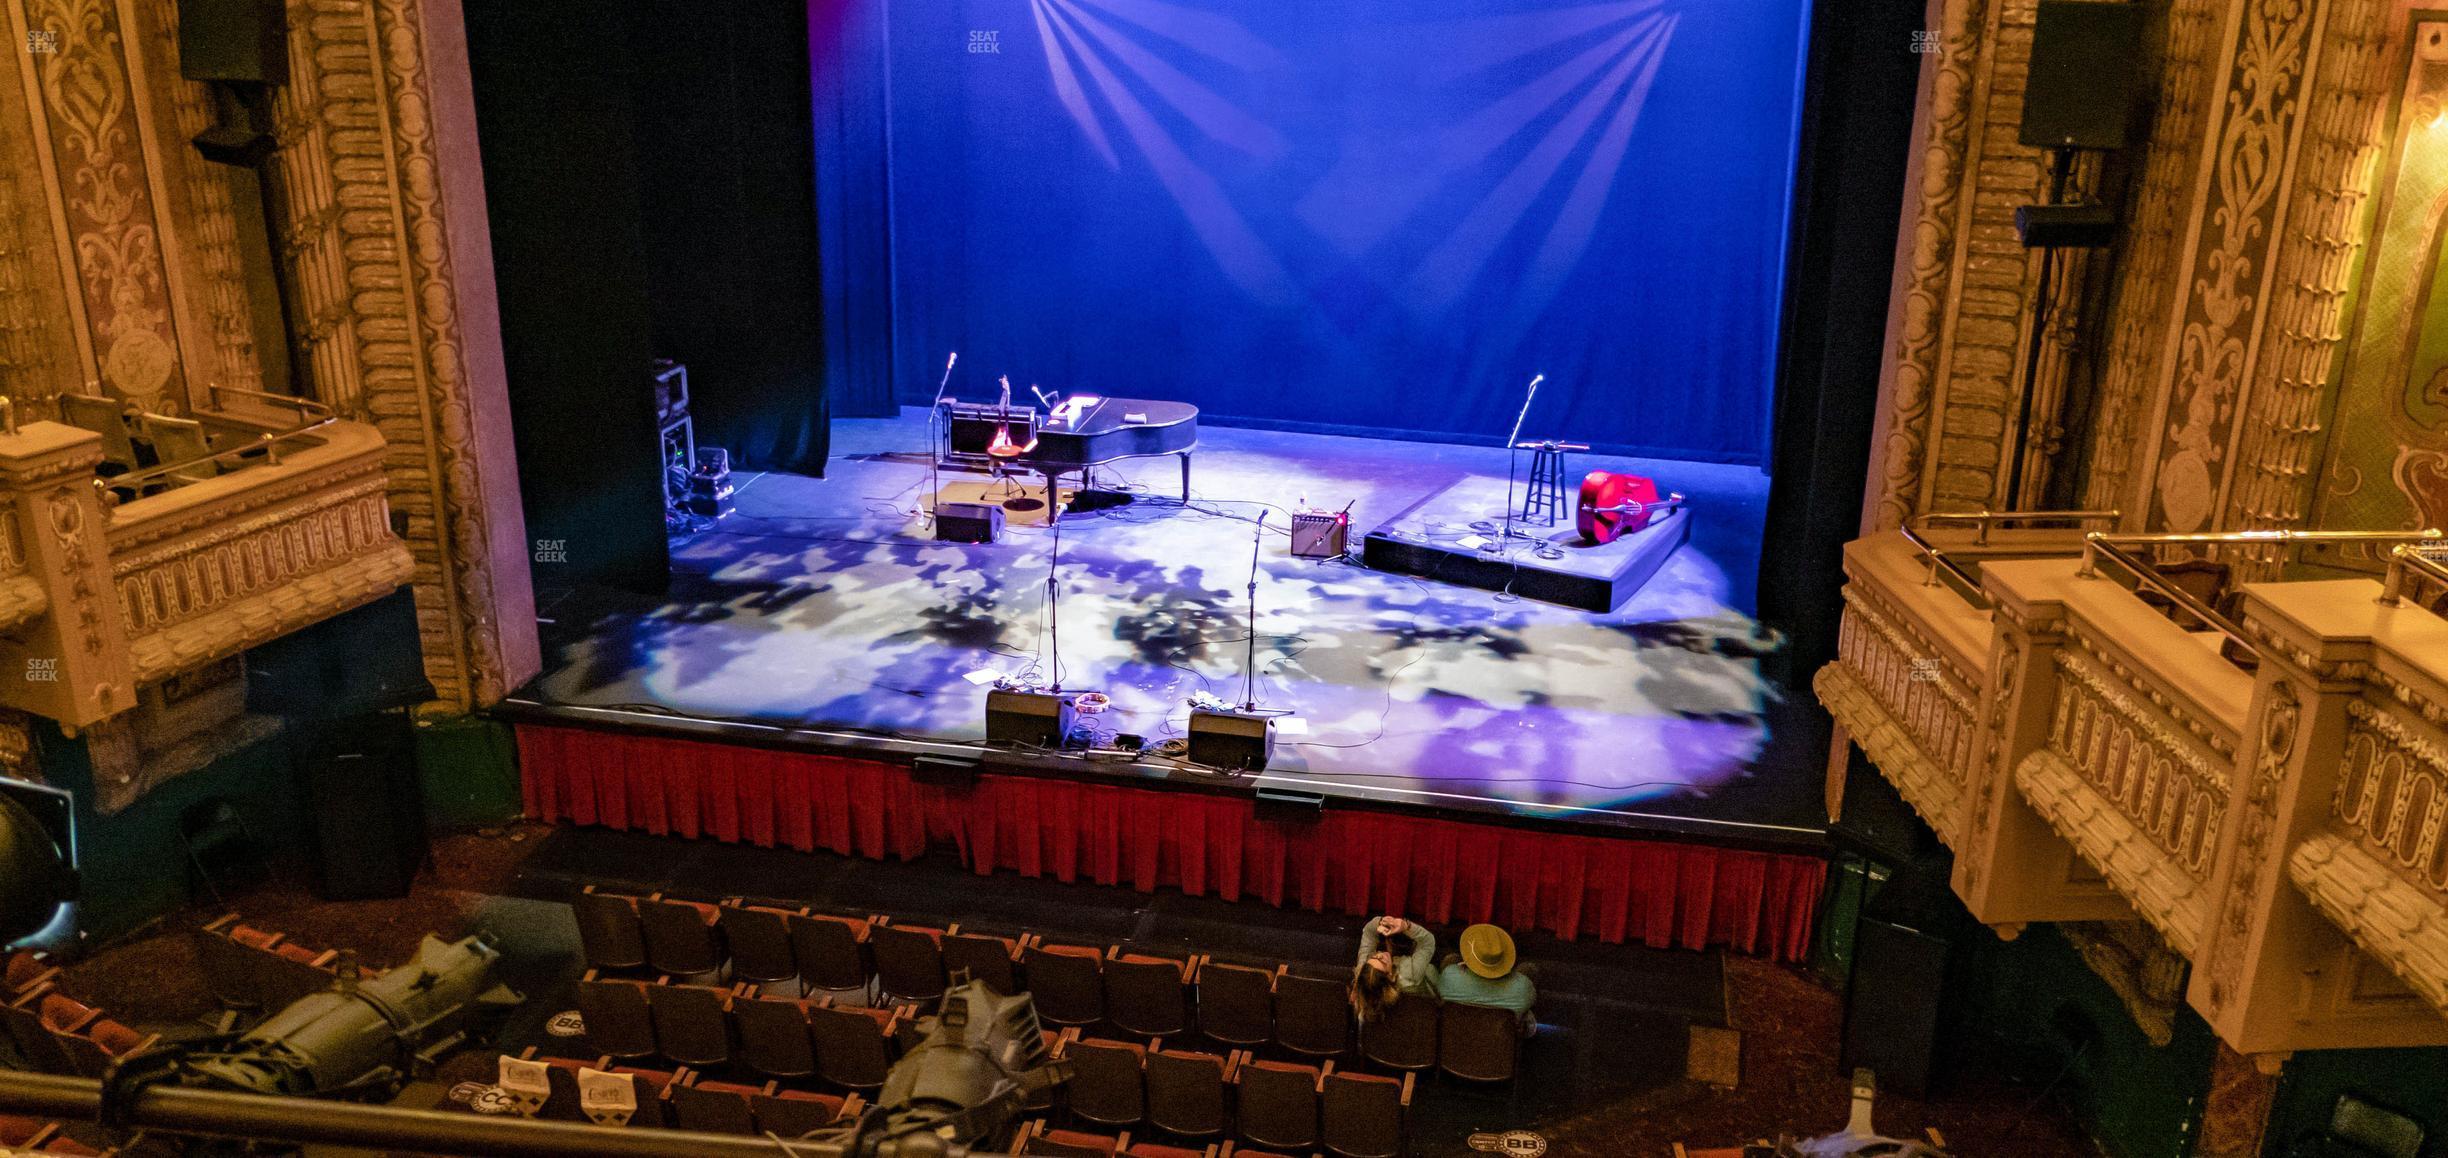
1664 893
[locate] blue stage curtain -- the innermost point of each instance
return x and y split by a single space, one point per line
1357 217
846 62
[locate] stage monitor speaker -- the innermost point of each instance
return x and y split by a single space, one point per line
968 522
944 772
2080 91
365 809
1288 806
2065 226
1029 719
1234 740
233 40
1891 1021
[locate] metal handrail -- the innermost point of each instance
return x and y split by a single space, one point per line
269 443
1985 519
2405 558
1964 583
301 405
2095 545
2098 544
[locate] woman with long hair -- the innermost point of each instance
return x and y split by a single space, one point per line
1383 976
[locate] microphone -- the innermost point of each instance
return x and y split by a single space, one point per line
1041 396
948 361
1534 381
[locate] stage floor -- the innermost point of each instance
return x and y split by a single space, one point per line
823 612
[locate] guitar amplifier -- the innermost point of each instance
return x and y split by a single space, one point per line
1321 534
969 427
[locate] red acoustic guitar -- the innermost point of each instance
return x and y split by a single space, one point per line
1614 505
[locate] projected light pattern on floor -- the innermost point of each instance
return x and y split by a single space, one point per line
823 603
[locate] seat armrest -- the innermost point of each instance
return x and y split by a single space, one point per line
221 925
852 1106
1324 1072
1408 1078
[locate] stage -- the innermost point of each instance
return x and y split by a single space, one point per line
823 616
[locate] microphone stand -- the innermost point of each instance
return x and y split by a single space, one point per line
1053 606
1249 661
1505 540
934 451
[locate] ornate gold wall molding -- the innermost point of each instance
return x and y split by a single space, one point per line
2270 484
201 199
2226 273
377 212
86 122
1947 110
2143 285
2146 975
2258 823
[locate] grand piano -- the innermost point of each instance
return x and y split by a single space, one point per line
1079 435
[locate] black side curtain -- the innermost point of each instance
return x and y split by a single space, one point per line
725 143
1848 190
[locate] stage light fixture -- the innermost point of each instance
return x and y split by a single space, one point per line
38 873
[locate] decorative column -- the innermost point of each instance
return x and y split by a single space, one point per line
64 662
2011 868
2273 975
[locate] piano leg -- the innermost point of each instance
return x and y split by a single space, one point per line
1185 461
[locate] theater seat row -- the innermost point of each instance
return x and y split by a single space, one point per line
55 1033
1281 1010
710 1027
1201 1096
679 1099
23 1135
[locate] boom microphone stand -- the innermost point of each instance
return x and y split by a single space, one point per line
1249 661
1054 607
934 451
1512 456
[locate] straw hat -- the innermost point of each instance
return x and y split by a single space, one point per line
1487 951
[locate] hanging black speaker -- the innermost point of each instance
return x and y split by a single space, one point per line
2080 91
365 809
233 40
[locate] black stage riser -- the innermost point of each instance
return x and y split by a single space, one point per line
1524 573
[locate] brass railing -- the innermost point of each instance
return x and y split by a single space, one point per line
1940 563
2411 561
268 444
2098 545
306 406
8 416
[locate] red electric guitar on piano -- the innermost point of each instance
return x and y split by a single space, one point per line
1614 505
